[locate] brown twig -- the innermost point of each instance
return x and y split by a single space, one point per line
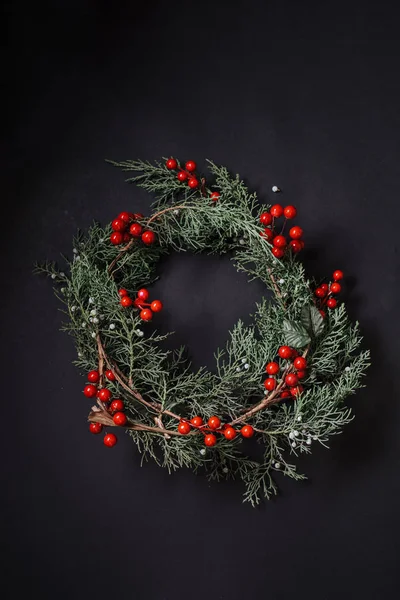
105 418
274 284
120 255
165 210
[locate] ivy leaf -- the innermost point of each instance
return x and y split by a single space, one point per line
295 334
312 320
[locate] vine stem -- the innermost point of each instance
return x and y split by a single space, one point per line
165 210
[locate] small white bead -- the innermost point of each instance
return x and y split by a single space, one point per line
101 317
62 274
74 250
91 319
63 290
80 354
284 294
203 451
314 437
281 281
111 326
93 312
266 392
77 257
91 300
225 470
93 334
95 320
291 435
53 276
244 360
246 366
242 242
277 465
73 308
275 188
309 441
238 369
83 324
293 444
140 333
176 211
299 418
296 433
347 369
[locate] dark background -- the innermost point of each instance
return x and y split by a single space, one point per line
304 95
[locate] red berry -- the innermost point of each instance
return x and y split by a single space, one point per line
279 241
148 237
230 433
126 301
193 182
270 384
301 374
143 294
156 306
285 352
296 245
336 288
300 363
137 303
93 376
267 233
116 238
104 395
196 421
95 427
123 292
291 379
295 391
110 375
247 431
322 313
332 303
138 216
118 225
182 176
215 196
214 422
190 166
285 394
110 440
294 353
90 390
146 314
276 210
266 218
290 212
126 238
183 427
272 368
171 163
278 252
320 293
337 275
120 419
325 287
210 440
296 232
116 405
124 216
136 229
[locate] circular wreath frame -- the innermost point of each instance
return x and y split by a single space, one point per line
159 389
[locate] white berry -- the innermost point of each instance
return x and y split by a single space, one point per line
93 312
347 369
91 300
62 274
80 354
95 320
83 324
296 433
246 366
291 435
242 242
203 451
111 326
299 418
309 441
225 469
238 369
176 211
93 334
281 281
293 444
91 319
277 465
53 276
244 360
77 257
75 251
73 308
275 188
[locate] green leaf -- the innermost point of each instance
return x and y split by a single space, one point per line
295 334
312 320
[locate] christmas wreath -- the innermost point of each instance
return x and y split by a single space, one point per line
282 380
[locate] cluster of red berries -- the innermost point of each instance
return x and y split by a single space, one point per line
212 427
187 174
326 291
115 407
291 386
146 314
126 227
279 241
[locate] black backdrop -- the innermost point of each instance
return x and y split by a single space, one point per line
304 95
